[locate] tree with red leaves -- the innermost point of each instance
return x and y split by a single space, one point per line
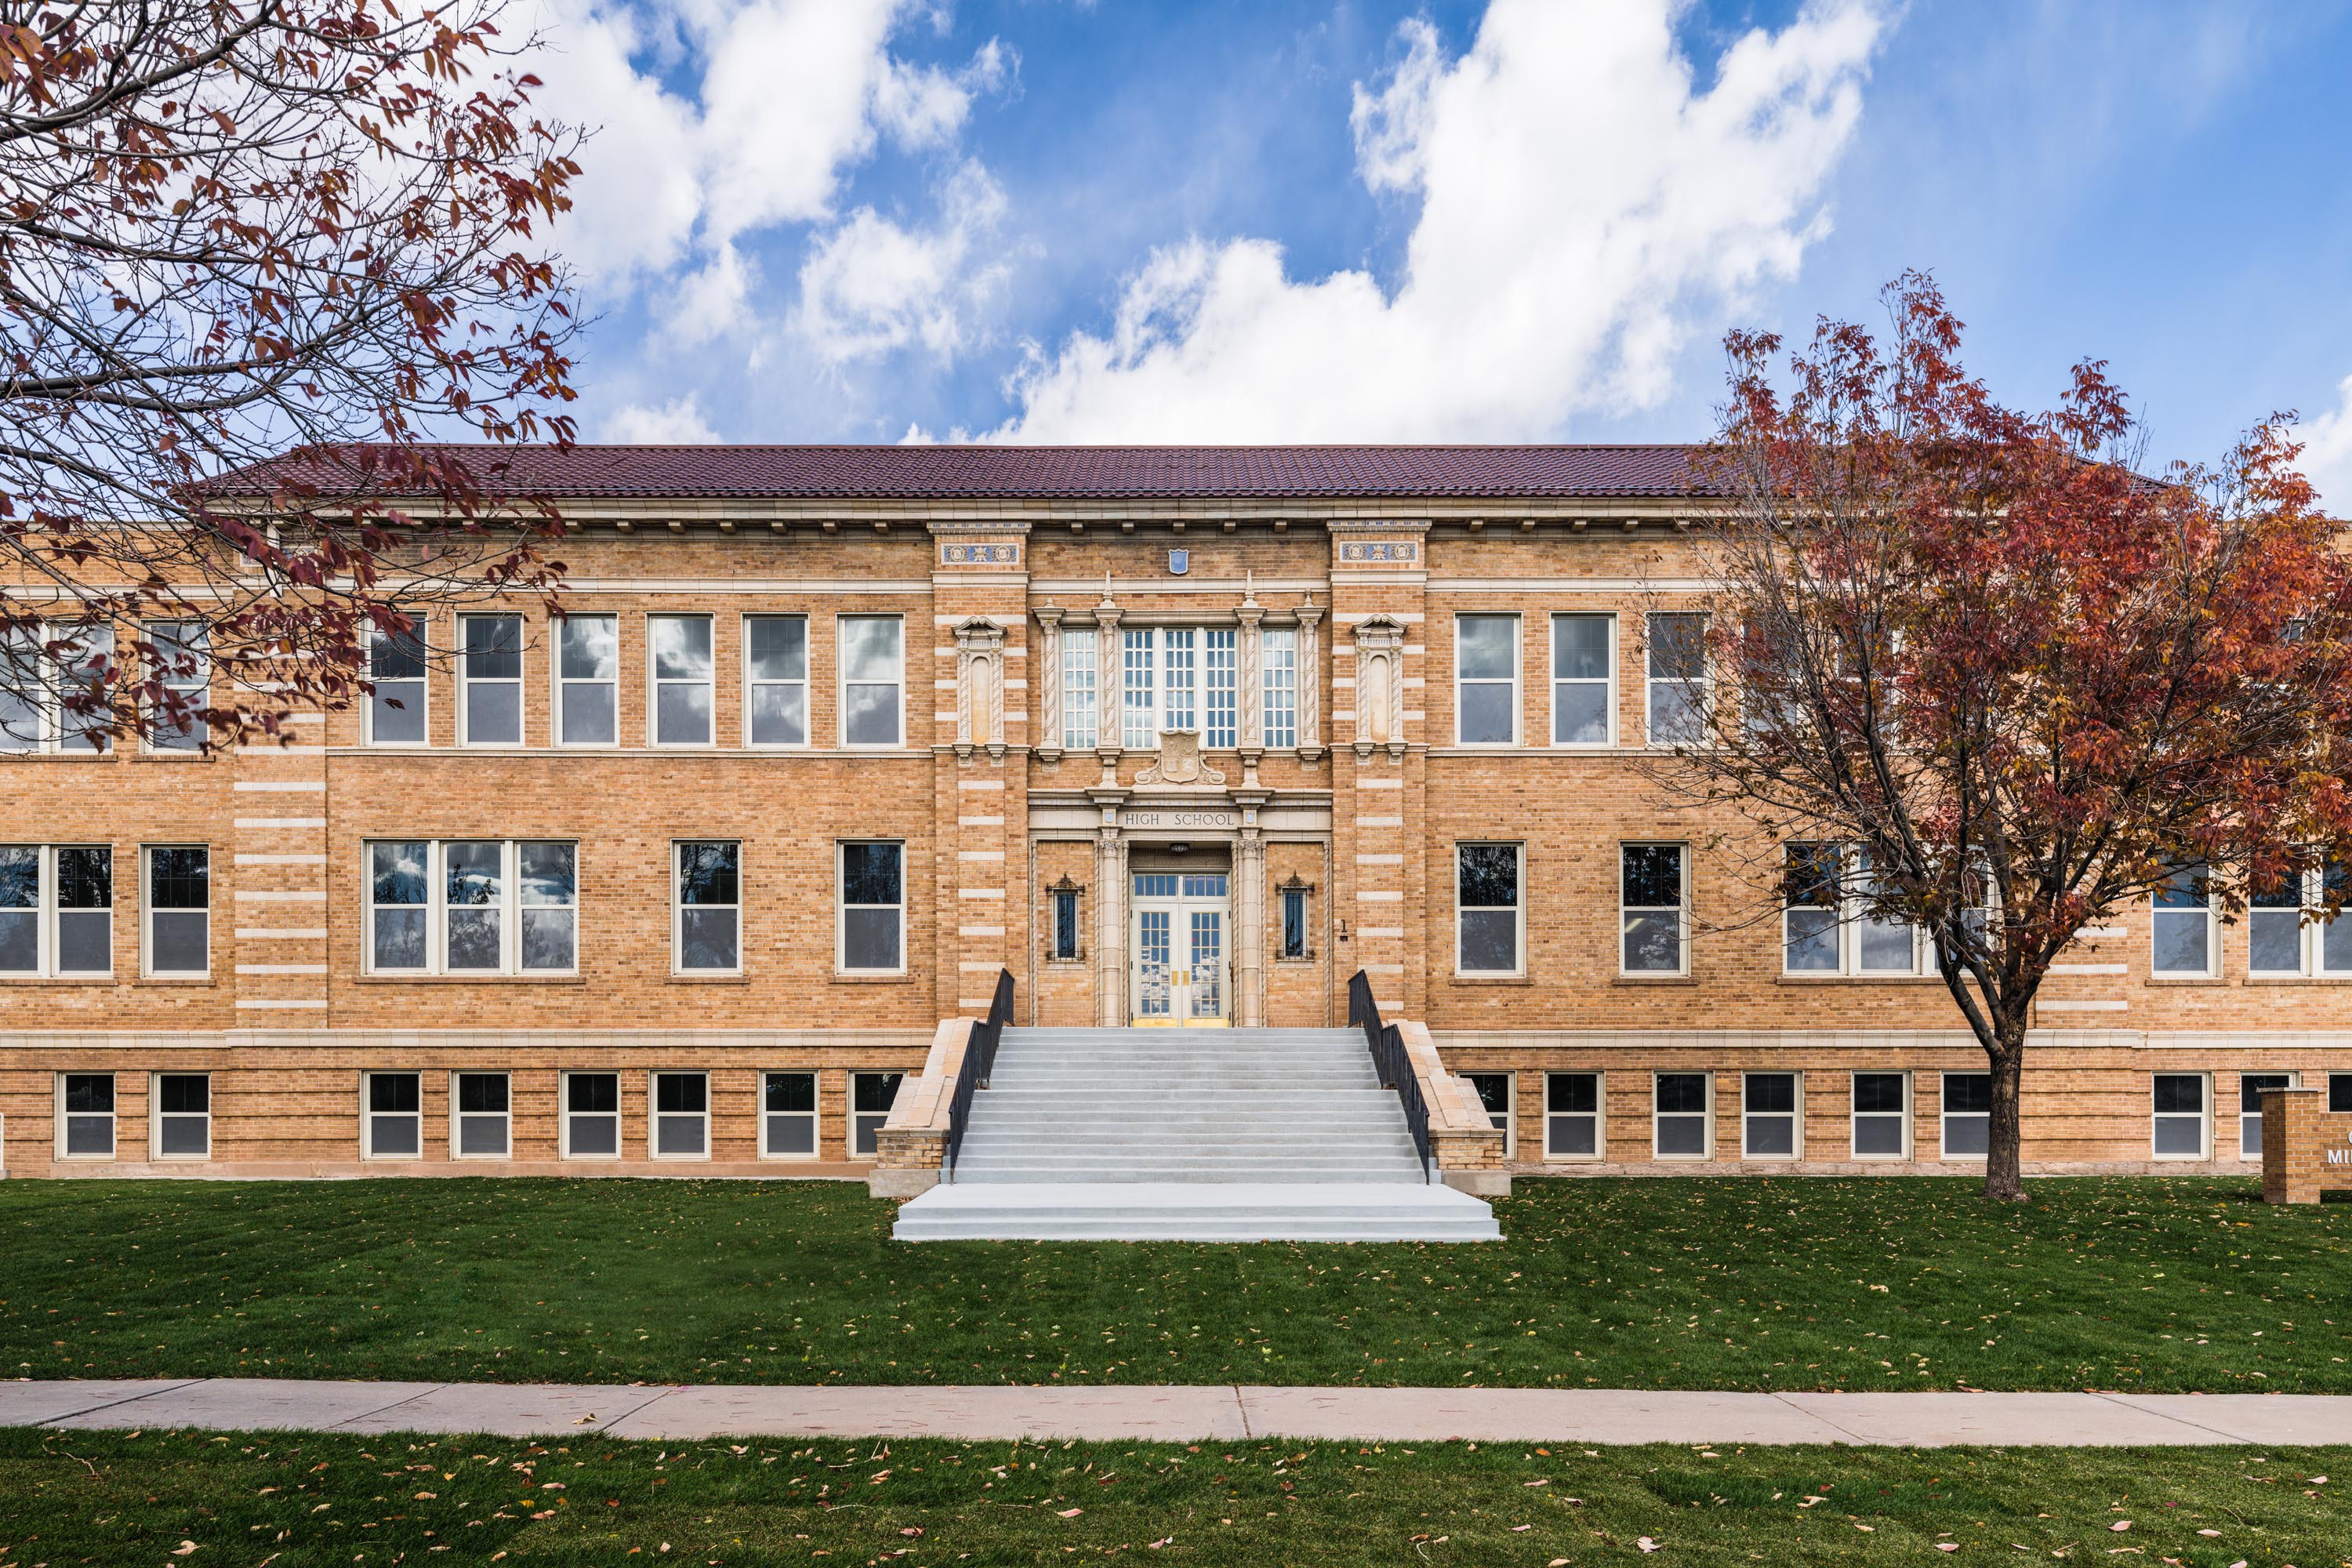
1993 681
231 230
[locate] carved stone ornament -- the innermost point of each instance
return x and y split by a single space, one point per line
1179 761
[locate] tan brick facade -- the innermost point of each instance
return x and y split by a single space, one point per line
1350 820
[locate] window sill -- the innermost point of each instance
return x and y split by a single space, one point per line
105 979
1654 980
738 978
191 756
862 977
465 979
57 756
1460 979
2186 979
2296 980
1826 978
168 980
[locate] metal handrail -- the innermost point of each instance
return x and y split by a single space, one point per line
978 1062
1388 1059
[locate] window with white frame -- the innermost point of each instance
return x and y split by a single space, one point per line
1681 1115
54 687
182 1125
1078 710
489 680
2288 931
678 650
592 1116
1767 1115
681 1102
587 666
396 708
1881 1115
1826 925
85 1115
1679 702
392 1116
873 907
1489 916
2251 1086
707 935
1186 678
1653 899
1494 1090
2182 924
178 908
481 1119
1487 680
1278 684
775 680
1572 1116
873 680
870 1094
57 909
1583 679
2181 1106
184 666
788 1116
1967 1115
472 906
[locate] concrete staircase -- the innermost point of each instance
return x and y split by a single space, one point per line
1190 1134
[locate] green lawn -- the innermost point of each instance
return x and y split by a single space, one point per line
295 1500
2133 1283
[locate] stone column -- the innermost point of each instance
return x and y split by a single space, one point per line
1310 682
1249 921
1111 923
1048 676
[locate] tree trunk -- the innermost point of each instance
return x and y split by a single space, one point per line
2004 1182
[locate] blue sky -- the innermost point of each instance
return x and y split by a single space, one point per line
1522 220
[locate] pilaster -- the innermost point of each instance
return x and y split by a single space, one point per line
1381 888
978 654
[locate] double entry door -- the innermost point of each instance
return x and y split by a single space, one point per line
1177 924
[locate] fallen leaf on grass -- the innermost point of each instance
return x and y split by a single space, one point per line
1069 1512
1646 1544
1947 1546
2121 1524
184 1547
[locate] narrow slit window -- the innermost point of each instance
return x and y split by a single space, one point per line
587 680
1066 947
1297 940
490 679
775 661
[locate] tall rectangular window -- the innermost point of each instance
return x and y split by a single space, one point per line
1078 733
679 647
592 1116
179 909
1486 680
395 709
710 934
392 1117
1810 928
1180 685
1488 917
1278 715
490 679
1297 939
57 909
787 1115
85 1115
55 685
873 908
1583 679
1064 902
775 680
2182 925
2288 931
870 1094
1677 680
183 665
873 678
1881 1115
1139 689
681 1103
484 906
1682 1108
1571 1116
24 690
1218 729
481 1122
1767 1115
183 1120
1653 896
2250 1108
1967 1115
2182 1128
587 680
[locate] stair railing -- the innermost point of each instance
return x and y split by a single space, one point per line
979 1063
1388 1059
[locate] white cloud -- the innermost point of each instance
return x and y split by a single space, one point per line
677 423
1584 209
2327 457
872 286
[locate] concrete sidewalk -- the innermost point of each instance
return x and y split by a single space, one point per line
1214 1413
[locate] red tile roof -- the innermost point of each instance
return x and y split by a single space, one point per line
994 472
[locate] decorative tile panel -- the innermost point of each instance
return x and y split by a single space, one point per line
979 555
1380 552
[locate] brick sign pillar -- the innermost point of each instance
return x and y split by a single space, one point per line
2307 1148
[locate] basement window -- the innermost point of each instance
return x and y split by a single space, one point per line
1881 1115
1967 1115
1767 1116
85 1115
482 1125
788 1116
592 1116
1571 1116
391 1119
1494 1094
2250 1108
1681 1116
183 1115
2182 1128
681 1115
870 1094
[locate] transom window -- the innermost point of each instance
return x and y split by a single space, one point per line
587 676
1489 916
1825 925
1178 678
1679 696
53 687
1571 1116
490 679
2287 929
873 678
1486 680
1583 681
2182 924
1653 909
775 680
57 909
1767 1115
395 709
873 908
477 906
680 649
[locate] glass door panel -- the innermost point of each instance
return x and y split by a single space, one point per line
1206 993
1153 998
